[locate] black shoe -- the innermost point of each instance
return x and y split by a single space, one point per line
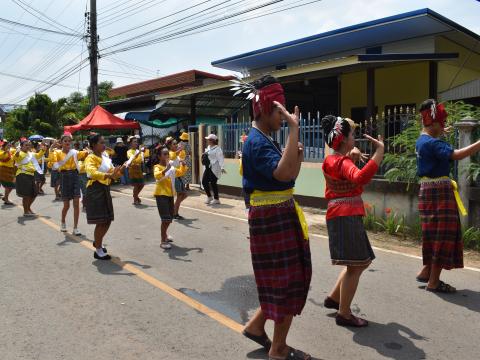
106 257
179 217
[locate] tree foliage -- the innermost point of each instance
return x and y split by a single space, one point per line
45 117
402 166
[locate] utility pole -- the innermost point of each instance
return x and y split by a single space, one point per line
93 49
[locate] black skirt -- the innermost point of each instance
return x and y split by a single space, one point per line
349 244
99 204
69 184
165 207
25 185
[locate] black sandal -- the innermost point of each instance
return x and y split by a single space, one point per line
262 340
329 303
422 280
294 354
442 288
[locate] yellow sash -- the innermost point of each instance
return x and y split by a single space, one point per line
461 206
265 198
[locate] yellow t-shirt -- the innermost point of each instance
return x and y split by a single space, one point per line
92 163
138 159
28 168
59 155
6 157
164 187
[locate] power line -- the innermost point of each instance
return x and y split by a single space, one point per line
33 80
159 19
11 22
190 31
130 13
51 22
153 41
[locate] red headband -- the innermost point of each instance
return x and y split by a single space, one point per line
266 97
436 113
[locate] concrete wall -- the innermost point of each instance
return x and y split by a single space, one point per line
310 182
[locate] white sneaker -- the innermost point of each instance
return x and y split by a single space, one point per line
215 202
209 200
63 227
76 232
165 246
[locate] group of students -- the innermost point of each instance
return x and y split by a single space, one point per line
279 241
86 174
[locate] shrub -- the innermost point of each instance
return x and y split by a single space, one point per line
471 238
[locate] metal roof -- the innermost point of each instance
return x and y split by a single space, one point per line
465 91
414 24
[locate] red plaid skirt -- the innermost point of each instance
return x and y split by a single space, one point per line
441 228
281 260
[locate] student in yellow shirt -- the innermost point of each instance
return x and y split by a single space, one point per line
175 153
27 163
135 161
82 175
54 174
165 174
39 177
66 162
100 173
7 170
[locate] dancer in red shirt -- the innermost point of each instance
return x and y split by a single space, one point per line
349 244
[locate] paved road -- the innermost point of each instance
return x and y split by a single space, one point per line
57 302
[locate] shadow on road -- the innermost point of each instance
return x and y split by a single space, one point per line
178 252
468 299
23 220
110 268
237 296
392 340
261 354
222 206
187 223
143 266
66 241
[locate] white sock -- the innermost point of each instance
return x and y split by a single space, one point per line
100 252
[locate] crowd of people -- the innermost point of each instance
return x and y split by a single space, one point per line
81 174
279 239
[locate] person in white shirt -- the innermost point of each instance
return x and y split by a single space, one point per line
213 161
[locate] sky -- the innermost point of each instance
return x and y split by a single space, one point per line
42 56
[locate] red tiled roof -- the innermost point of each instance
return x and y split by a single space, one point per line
186 79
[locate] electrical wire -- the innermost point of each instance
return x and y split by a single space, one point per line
53 23
11 22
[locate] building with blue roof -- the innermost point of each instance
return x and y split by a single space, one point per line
369 68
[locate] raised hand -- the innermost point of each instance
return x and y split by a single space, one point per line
291 119
377 142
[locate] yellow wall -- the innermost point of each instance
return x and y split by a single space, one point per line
353 91
401 84
448 69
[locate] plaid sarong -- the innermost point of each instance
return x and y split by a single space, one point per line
281 259
441 229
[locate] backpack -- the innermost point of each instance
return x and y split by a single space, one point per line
205 159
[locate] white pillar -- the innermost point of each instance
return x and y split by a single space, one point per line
465 129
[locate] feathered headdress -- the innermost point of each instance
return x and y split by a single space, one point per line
335 136
262 99
436 113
